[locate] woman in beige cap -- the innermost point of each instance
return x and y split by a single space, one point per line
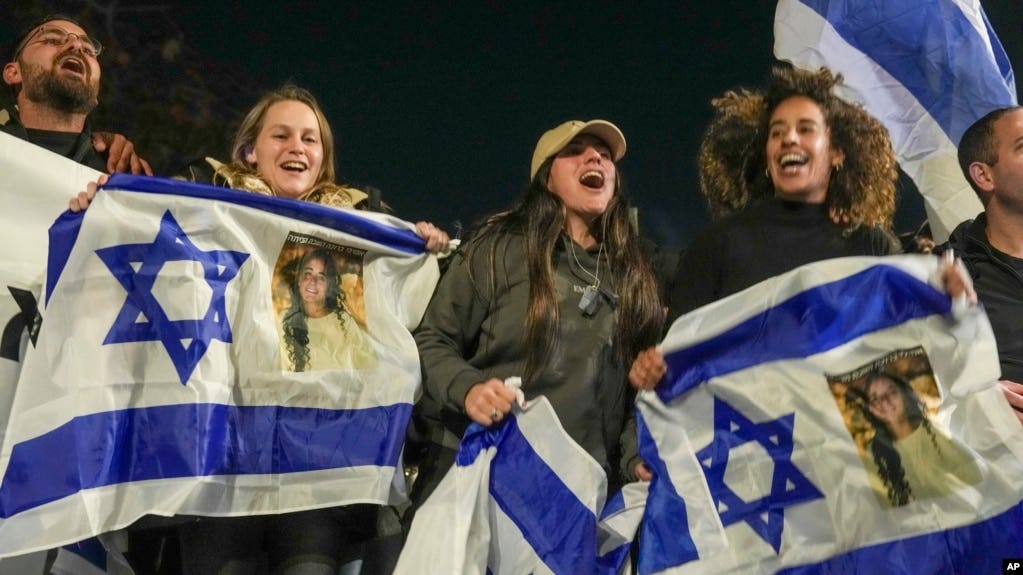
558 291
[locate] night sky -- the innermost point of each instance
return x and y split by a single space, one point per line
439 104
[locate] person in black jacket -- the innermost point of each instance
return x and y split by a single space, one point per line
991 246
52 74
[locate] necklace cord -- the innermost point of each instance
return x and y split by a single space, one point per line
596 275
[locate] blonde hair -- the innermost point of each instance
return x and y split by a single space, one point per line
242 174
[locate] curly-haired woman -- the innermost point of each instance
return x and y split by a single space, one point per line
798 175
795 175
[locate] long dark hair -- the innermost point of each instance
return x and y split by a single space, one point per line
296 331
540 218
882 446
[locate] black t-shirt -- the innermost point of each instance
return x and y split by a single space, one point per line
1016 263
73 146
60 143
769 238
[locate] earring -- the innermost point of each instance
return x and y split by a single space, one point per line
838 166
767 172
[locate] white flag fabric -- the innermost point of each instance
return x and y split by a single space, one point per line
836 419
35 188
522 498
927 69
212 352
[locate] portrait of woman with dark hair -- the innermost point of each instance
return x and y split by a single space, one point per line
318 332
908 457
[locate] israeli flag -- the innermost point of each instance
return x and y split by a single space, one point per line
927 69
522 498
841 418
167 379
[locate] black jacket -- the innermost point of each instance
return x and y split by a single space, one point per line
998 280
769 238
473 331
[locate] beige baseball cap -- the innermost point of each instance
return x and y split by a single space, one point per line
553 140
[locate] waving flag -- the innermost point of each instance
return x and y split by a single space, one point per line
838 420
183 365
522 498
926 68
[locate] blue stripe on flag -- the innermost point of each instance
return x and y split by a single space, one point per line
346 221
664 539
1001 58
931 48
64 232
806 324
63 235
977 548
612 562
559 528
190 440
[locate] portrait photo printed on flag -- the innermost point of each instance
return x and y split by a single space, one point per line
888 406
319 300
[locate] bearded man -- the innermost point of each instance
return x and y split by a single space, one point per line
53 76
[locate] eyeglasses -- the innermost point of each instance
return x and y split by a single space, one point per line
884 397
59 37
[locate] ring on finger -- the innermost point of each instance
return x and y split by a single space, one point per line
493 414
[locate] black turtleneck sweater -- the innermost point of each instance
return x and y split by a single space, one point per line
768 238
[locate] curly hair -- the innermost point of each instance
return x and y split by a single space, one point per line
540 218
296 330
732 157
882 445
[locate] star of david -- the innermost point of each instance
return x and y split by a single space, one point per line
766 515
142 318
